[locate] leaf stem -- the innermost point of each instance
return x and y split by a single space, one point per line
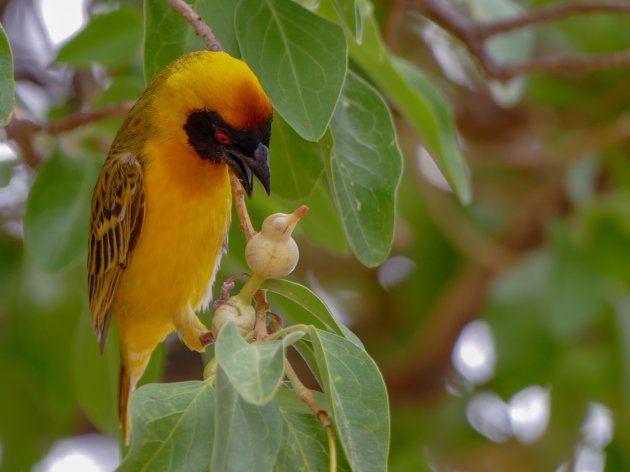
322 415
284 331
249 289
210 371
262 307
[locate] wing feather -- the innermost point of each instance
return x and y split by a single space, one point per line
115 226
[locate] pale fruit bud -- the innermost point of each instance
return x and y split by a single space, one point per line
242 314
272 253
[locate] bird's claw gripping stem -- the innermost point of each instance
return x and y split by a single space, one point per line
227 288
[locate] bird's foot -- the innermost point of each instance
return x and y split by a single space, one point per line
206 338
226 289
190 329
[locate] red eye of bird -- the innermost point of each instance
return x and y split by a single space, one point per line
223 138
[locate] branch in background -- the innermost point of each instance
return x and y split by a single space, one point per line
552 13
81 119
23 131
474 35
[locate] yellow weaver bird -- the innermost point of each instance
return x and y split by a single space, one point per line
162 205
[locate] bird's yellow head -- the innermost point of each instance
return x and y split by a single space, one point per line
215 104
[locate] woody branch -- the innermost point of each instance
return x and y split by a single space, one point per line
474 35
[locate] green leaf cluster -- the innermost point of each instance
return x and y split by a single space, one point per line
244 416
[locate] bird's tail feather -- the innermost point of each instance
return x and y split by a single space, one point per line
125 388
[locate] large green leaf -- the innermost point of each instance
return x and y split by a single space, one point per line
323 226
168 35
418 99
109 39
255 370
299 57
221 17
350 16
358 398
172 427
574 292
365 169
321 316
304 445
6 172
246 436
95 376
7 85
296 164
57 211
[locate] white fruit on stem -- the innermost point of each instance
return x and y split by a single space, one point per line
242 314
273 253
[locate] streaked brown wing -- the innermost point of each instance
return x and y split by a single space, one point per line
115 225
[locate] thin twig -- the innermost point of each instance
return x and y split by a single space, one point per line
289 329
322 415
81 119
262 307
201 28
474 34
238 194
618 60
22 131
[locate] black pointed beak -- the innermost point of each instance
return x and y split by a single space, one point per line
246 167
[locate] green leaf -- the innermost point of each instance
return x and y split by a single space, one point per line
365 169
221 17
304 445
323 226
172 427
110 39
419 100
95 376
121 89
350 16
6 172
7 84
608 236
433 118
57 211
255 370
246 436
574 294
299 57
358 398
321 315
168 35
296 164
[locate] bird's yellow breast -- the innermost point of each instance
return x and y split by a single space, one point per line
187 215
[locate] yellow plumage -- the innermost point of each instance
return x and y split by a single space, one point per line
161 207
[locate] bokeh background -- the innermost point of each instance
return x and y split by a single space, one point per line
502 328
